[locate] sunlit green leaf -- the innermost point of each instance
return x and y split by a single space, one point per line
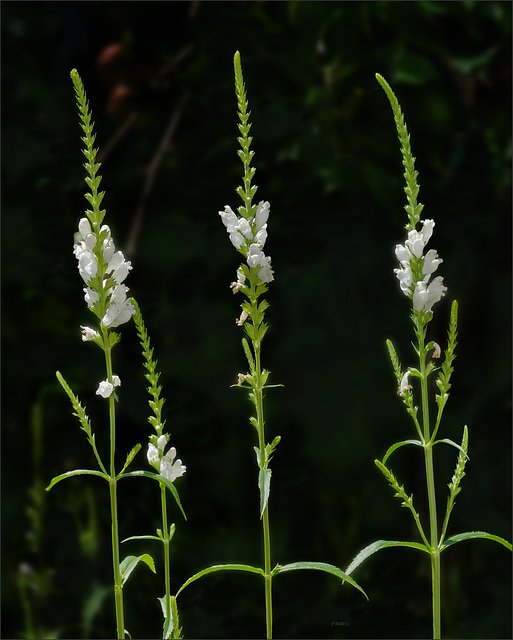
319 566
76 472
220 567
469 535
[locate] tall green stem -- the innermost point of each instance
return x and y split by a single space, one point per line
167 565
118 585
259 394
430 478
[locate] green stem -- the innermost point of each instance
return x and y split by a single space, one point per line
259 394
430 478
165 542
118 584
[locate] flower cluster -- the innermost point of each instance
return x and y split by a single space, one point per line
416 269
165 464
119 308
248 237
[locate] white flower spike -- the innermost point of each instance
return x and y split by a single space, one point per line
416 269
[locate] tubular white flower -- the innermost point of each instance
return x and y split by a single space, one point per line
120 309
105 388
431 262
229 218
88 333
84 228
404 384
152 454
255 256
91 296
108 249
118 267
237 239
261 215
169 469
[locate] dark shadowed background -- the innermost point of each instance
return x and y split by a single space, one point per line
159 76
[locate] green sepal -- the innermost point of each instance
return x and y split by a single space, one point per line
158 478
220 567
319 566
114 338
254 422
250 330
382 544
264 484
130 562
395 446
135 450
469 535
76 472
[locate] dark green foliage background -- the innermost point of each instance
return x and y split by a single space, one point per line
328 160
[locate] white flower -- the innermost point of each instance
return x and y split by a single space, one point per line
108 249
88 333
91 296
261 215
427 230
229 219
431 262
105 388
243 317
404 384
266 274
84 228
237 239
118 267
405 277
87 263
169 469
153 454
166 464
245 229
261 236
425 296
120 309
255 256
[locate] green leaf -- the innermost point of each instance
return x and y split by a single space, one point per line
130 562
382 544
141 538
264 484
158 478
469 535
395 446
167 631
319 566
453 444
220 567
76 472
